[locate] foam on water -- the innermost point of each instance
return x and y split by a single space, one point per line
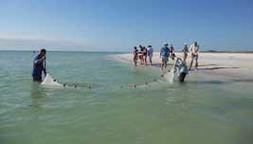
50 82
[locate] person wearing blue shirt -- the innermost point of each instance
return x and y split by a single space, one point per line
38 66
164 54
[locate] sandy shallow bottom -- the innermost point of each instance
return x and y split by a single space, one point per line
210 107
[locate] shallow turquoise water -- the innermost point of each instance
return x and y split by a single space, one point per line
211 109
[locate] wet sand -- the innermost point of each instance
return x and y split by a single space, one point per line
237 66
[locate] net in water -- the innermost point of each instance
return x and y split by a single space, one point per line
49 81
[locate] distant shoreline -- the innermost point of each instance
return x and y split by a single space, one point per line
63 51
206 51
235 65
215 51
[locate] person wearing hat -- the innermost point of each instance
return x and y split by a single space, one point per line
164 54
38 66
185 51
150 54
194 50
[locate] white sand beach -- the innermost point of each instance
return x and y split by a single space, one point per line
232 65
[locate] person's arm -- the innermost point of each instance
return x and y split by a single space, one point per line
44 66
45 71
38 61
190 49
197 50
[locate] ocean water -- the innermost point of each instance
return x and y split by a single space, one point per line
208 109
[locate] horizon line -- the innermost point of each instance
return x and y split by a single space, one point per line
108 51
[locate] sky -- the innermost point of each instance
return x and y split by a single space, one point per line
118 25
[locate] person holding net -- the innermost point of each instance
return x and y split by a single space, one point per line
39 66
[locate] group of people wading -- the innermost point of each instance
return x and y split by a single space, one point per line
142 54
166 52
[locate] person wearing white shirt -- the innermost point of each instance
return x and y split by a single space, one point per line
150 54
194 50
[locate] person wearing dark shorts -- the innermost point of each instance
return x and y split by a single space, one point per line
173 55
185 51
38 66
164 53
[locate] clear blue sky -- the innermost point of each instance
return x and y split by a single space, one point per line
118 25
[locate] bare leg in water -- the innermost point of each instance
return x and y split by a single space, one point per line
196 62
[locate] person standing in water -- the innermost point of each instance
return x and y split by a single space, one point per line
173 55
145 53
135 56
185 51
150 54
194 50
164 54
141 54
38 66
